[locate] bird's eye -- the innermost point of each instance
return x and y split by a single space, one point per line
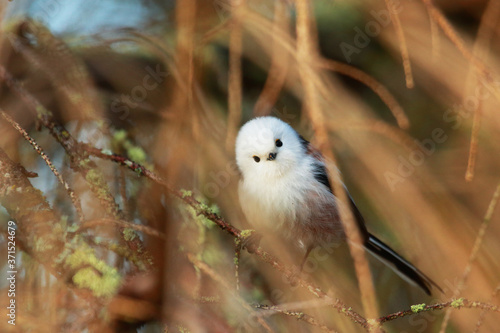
256 159
279 143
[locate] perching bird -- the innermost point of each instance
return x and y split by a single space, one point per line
285 188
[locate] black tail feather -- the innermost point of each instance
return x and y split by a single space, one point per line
400 265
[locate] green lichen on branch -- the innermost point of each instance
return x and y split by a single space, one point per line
129 234
200 210
418 308
457 303
134 152
92 273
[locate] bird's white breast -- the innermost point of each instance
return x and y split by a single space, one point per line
289 203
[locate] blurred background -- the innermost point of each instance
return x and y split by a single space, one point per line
406 90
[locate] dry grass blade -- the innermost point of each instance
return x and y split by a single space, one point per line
373 84
485 33
225 285
306 52
435 41
402 43
483 72
122 224
278 70
296 314
202 210
483 313
235 74
392 133
473 255
471 162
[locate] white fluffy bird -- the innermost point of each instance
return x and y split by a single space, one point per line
285 188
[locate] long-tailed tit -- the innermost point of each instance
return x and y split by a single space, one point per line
285 188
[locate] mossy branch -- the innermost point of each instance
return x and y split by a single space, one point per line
453 304
204 210
79 158
39 150
44 236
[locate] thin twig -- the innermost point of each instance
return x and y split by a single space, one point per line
122 224
435 42
373 84
79 161
219 279
39 150
204 210
278 69
235 74
237 256
481 48
307 54
481 69
402 43
122 184
297 314
475 249
474 138
454 304
483 313
78 158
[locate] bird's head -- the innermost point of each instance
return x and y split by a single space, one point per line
267 147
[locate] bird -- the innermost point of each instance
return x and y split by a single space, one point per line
284 187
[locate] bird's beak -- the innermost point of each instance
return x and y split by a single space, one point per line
272 156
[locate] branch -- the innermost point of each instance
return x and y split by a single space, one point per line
454 304
39 150
44 237
337 304
79 159
204 210
296 314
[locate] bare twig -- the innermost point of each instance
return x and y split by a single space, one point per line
483 313
122 224
373 84
481 69
237 256
219 279
45 239
39 150
235 74
204 210
474 252
278 69
79 158
481 49
454 304
296 314
402 42
474 138
307 54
